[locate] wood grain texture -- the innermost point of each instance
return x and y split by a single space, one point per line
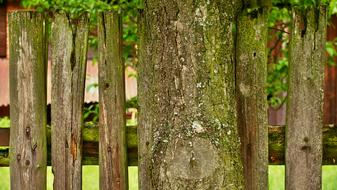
251 79
112 145
69 51
305 99
28 156
188 136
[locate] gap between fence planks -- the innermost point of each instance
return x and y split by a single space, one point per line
276 145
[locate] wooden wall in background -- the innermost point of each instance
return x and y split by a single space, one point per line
3 30
330 88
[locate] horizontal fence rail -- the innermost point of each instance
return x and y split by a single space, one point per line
91 139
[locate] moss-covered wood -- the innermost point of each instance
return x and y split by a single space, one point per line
28 155
69 51
251 79
305 98
276 145
188 137
113 163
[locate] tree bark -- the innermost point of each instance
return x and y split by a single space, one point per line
305 99
28 156
69 52
188 137
251 79
112 144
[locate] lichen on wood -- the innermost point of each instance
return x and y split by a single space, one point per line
305 98
28 153
69 52
187 97
112 144
251 79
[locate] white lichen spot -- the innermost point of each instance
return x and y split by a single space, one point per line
199 85
182 59
178 25
244 89
176 82
165 141
229 132
196 126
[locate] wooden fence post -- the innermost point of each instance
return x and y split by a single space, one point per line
251 78
28 157
112 143
305 99
69 52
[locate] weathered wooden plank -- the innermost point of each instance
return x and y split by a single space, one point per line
251 77
69 51
305 99
276 146
112 146
28 156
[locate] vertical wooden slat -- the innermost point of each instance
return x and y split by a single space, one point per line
69 50
112 144
305 99
28 157
251 77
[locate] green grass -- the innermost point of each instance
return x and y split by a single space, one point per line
91 181
4 123
276 178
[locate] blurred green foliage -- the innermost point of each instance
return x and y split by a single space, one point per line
76 7
279 25
278 22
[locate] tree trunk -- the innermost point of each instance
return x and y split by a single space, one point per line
305 99
188 137
69 52
112 144
28 100
251 79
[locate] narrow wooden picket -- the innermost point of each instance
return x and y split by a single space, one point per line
69 51
251 78
305 99
112 143
28 100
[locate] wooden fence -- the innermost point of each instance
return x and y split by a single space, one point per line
67 145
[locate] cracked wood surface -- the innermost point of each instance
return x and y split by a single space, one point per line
28 155
305 99
112 144
69 51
